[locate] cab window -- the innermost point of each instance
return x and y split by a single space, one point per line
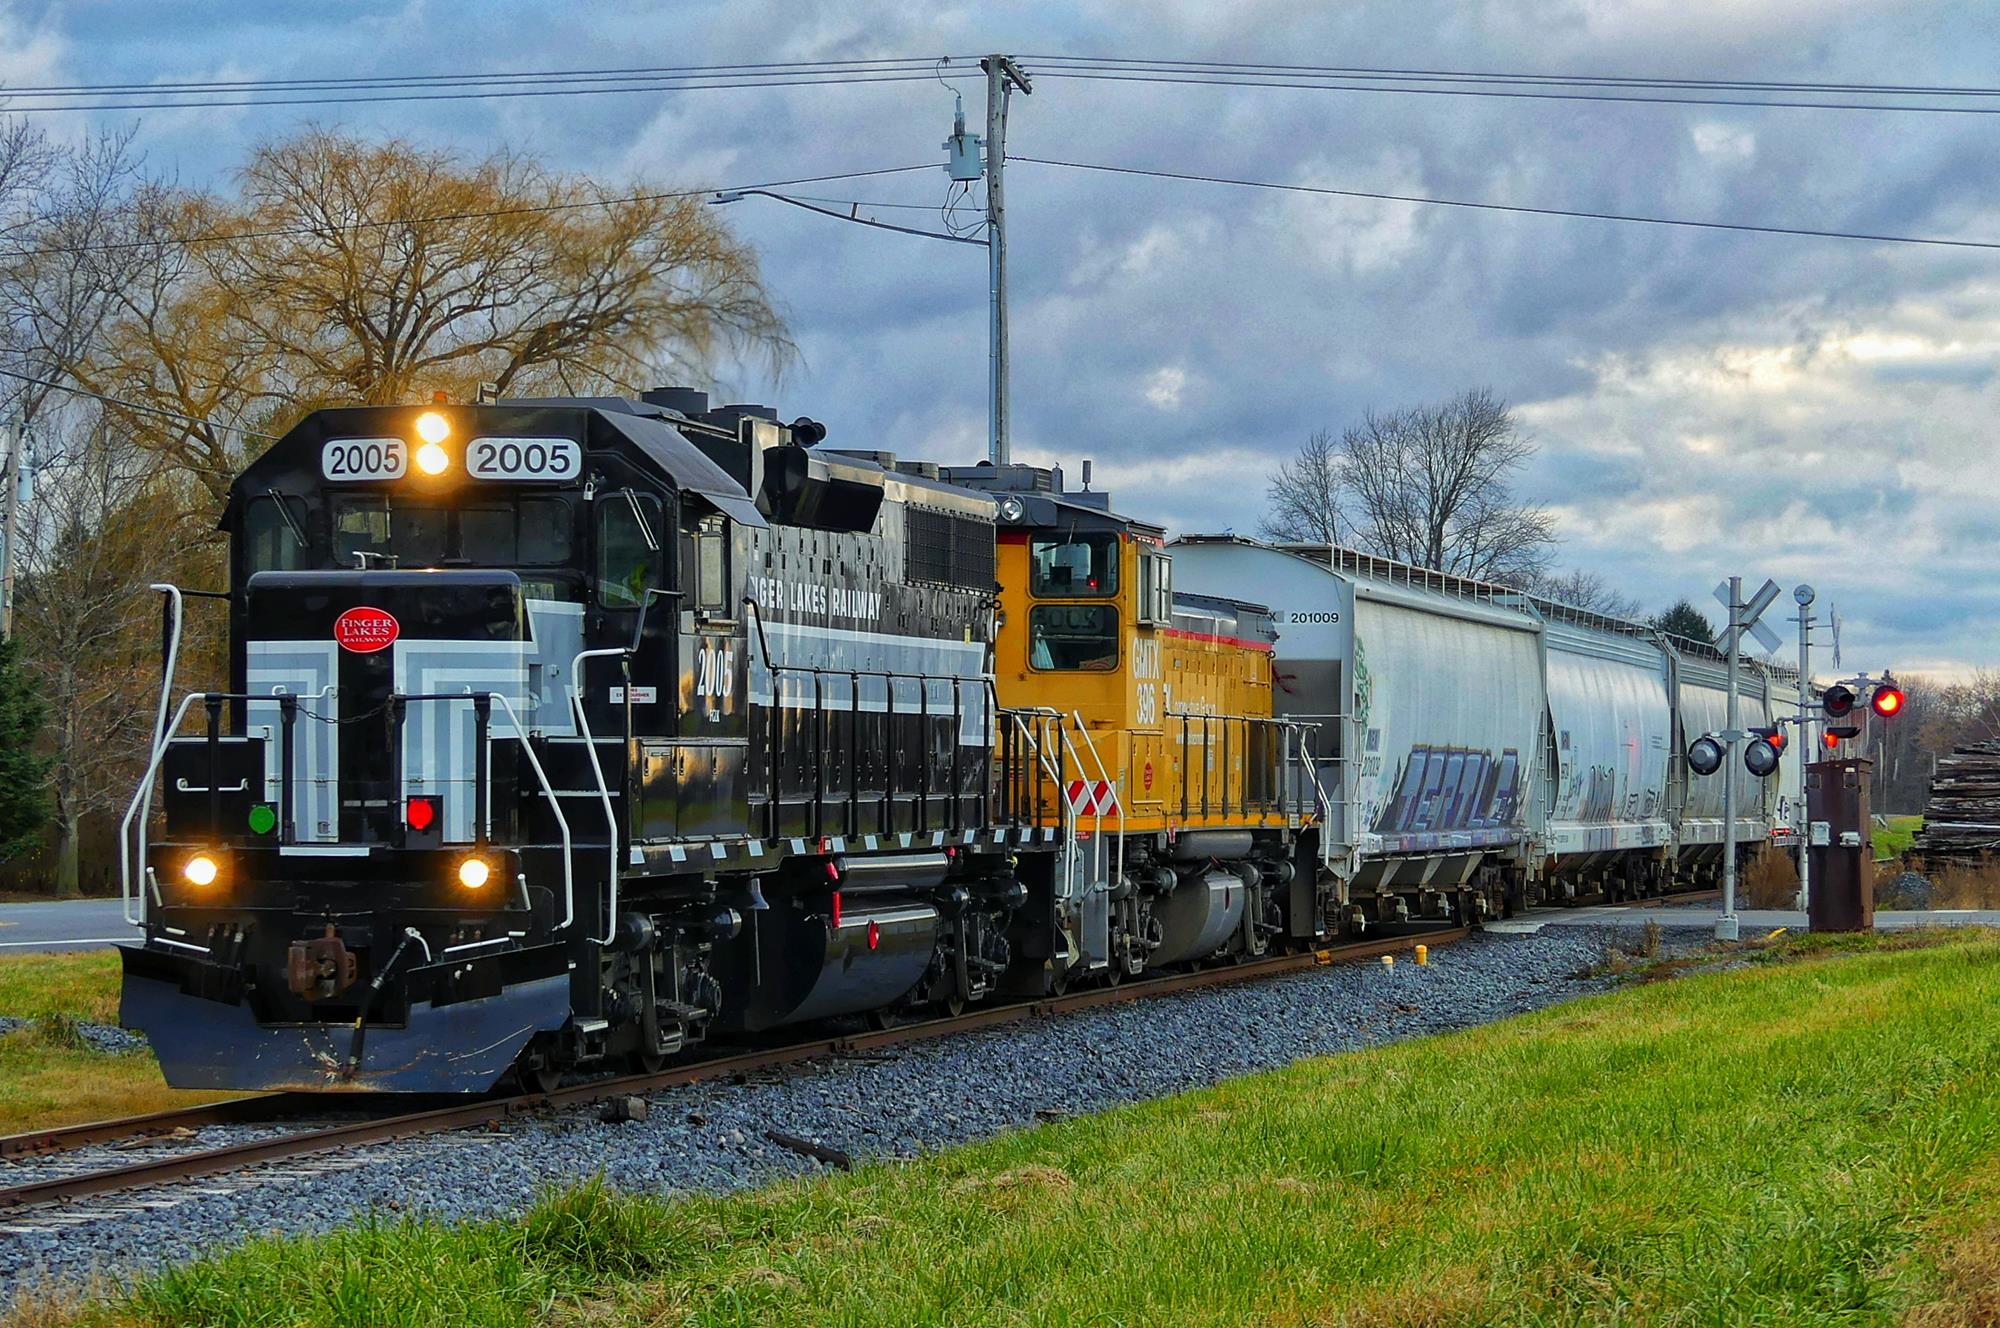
1073 636
411 533
1074 565
272 543
531 533
628 549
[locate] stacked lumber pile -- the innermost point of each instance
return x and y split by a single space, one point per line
1962 818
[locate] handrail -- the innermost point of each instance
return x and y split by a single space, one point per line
143 797
555 805
1111 786
168 668
576 699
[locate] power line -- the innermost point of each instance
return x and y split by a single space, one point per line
1614 80
122 404
674 85
219 237
1517 208
1122 76
731 195
885 63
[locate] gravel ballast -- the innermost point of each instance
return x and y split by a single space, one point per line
898 1102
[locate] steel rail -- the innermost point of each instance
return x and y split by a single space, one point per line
487 1110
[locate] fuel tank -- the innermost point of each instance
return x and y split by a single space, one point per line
792 964
1197 916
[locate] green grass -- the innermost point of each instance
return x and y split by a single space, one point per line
1896 836
48 1074
84 986
1812 1138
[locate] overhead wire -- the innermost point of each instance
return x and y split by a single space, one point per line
874 65
1376 71
1475 205
122 404
1196 79
526 209
480 95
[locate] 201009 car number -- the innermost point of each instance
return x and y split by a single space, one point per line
523 459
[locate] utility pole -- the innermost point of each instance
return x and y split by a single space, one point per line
1743 617
1803 596
17 441
1002 77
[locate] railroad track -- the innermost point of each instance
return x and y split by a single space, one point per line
464 1115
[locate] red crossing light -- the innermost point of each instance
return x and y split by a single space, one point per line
1831 739
1887 700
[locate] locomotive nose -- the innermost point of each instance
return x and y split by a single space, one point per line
389 665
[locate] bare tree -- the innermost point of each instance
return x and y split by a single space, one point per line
1304 494
1430 486
1580 589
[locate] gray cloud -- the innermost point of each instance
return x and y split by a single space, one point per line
1706 403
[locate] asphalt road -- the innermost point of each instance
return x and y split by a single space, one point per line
73 924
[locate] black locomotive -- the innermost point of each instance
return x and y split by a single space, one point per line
569 731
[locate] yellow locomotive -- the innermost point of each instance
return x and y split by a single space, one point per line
1142 725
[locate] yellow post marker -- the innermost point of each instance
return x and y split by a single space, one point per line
1423 956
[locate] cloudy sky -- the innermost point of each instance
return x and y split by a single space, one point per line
1705 402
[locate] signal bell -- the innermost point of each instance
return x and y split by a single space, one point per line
1704 755
1760 757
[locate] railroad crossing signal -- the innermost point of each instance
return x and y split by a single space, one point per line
1839 701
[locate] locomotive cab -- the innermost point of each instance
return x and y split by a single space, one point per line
1155 711
384 842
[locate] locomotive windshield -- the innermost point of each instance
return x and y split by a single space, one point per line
1075 565
490 532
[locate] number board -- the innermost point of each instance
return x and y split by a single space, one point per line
523 459
364 459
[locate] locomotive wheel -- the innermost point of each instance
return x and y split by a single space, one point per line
649 1062
954 1006
542 1078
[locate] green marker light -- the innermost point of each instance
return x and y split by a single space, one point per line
262 819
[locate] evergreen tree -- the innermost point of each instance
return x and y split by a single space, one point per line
1685 620
24 803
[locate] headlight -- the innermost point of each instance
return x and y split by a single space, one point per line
432 459
473 872
1012 509
433 427
200 870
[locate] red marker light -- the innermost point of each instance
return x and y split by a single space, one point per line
1887 700
836 908
420 813
874 934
